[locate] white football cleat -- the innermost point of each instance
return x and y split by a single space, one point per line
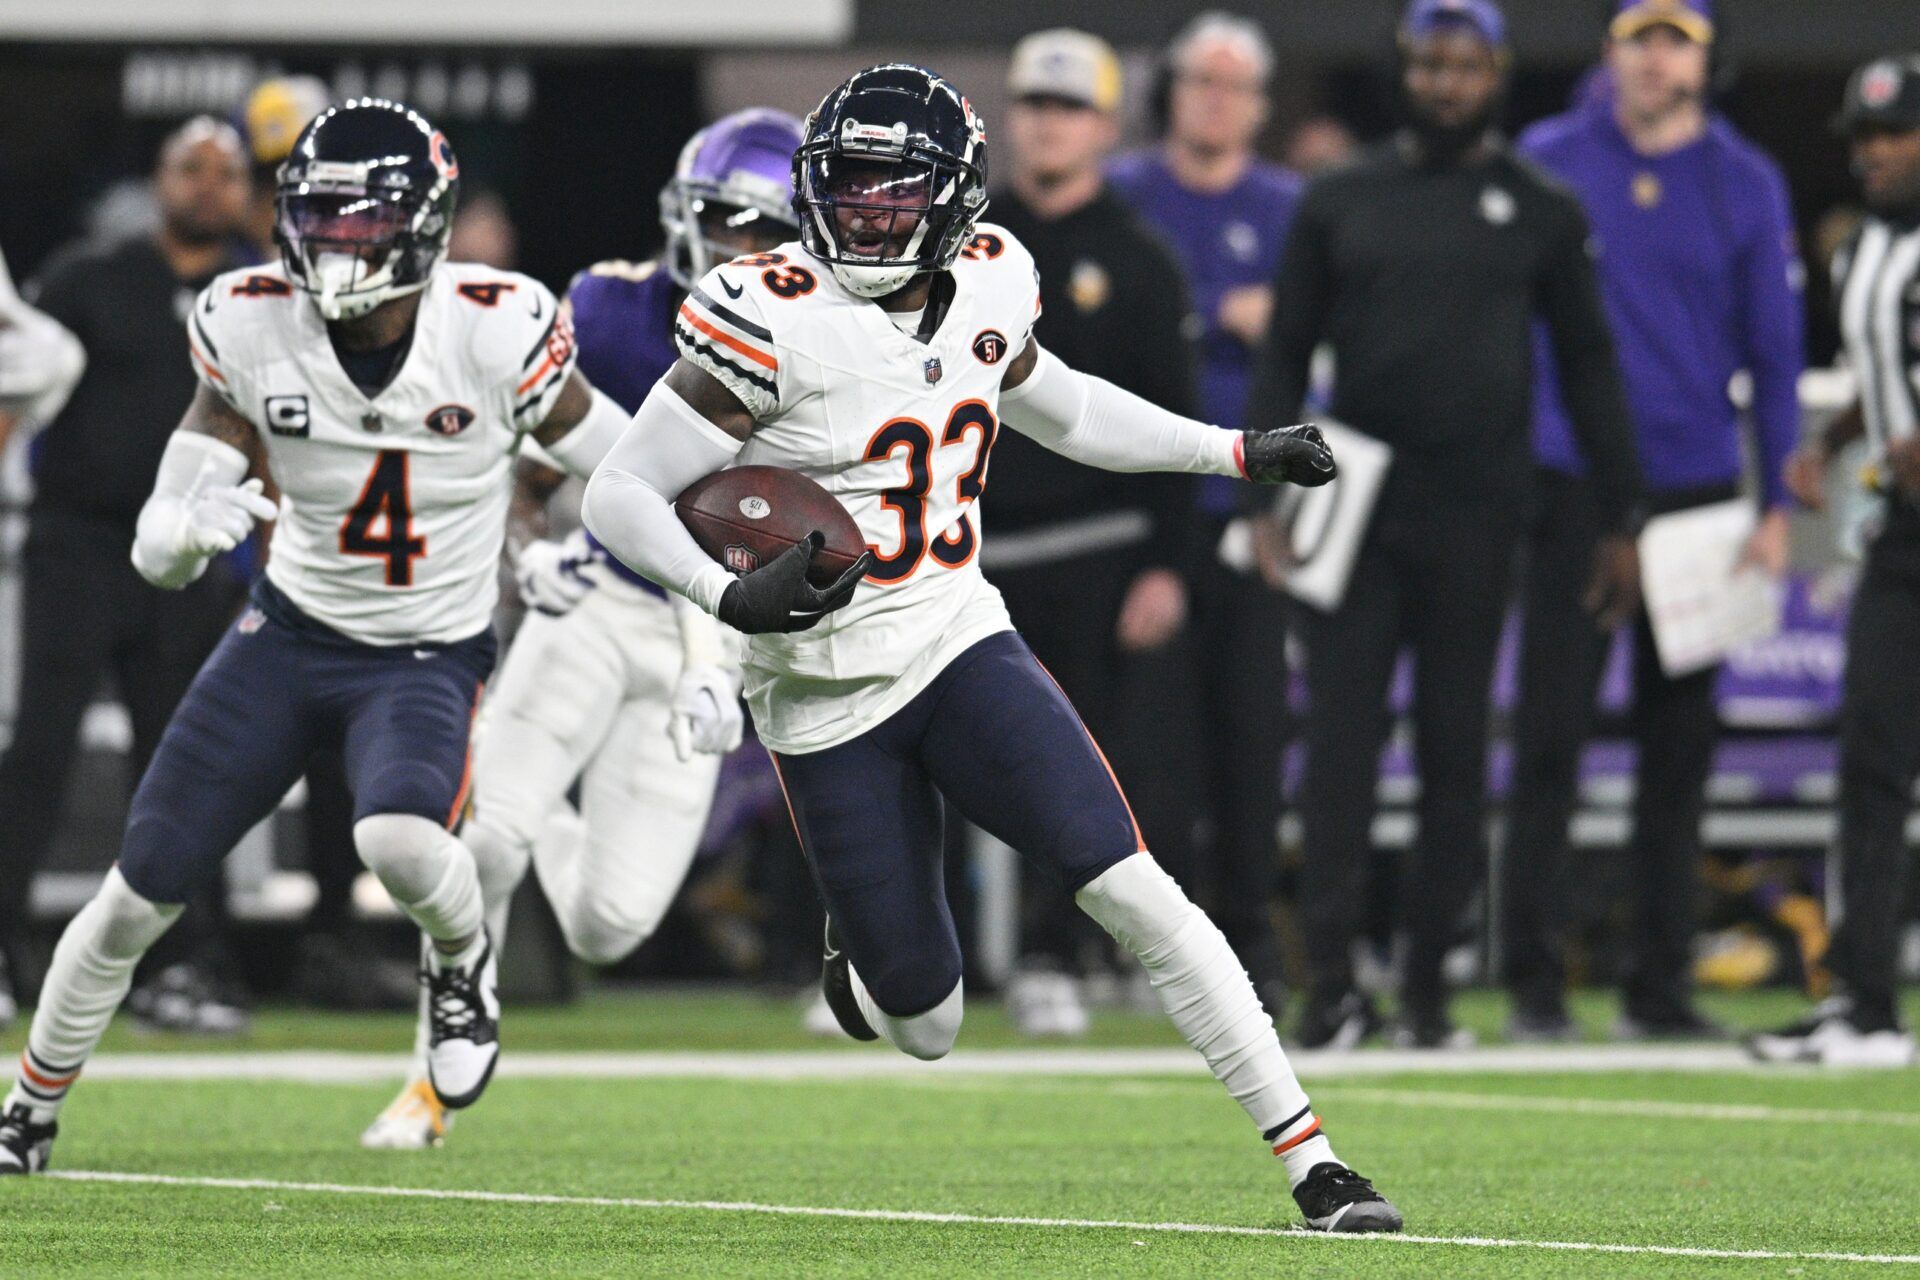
463 1025
1044 1003
413 1121
1832 1036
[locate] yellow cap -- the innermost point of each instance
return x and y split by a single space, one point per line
277 110
1690 20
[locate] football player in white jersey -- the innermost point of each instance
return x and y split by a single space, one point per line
877 355
611 680
390 392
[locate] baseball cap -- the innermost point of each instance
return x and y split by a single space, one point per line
1483 17
1885 91
1691 18
1066 64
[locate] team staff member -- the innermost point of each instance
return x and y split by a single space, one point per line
1087 559
1698 272
1877 282
1423 267
86 612
1225 214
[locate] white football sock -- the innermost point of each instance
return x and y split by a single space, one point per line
1207 994
500 860
926 1036
91 971
429 875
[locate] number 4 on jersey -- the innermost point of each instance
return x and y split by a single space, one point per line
381 522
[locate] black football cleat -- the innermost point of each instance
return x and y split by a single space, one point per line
1338 1022
25 1145
836 984
1335 1198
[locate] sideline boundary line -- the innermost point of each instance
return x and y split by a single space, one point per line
967 1219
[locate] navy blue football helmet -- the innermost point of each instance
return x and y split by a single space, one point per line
365 205
890 177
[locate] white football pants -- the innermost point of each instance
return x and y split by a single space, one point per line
586 696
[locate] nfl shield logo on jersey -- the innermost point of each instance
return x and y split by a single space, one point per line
450 419
932 368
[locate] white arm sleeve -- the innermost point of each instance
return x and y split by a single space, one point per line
1090 420
163 549
581 449
629 501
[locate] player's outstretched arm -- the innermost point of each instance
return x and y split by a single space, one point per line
582 426
202 503
1091 420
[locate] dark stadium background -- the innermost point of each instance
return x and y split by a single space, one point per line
577 137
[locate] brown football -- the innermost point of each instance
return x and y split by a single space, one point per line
745 516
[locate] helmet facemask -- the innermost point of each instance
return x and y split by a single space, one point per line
696 215
879 207
353 247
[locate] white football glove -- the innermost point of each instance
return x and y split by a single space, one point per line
705 712
219 517
548 574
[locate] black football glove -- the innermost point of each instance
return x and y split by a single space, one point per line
778 597
1291 455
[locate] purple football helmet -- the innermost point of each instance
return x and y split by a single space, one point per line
736 173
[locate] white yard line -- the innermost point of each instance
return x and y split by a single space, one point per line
1449 1101
968 1219
312 1067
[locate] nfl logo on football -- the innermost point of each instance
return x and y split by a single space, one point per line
932 368
740 559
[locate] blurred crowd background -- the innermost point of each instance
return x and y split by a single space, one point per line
1153 157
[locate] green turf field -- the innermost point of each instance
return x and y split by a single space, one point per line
1721 1161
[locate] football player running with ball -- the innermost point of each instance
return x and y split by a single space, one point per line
610 680
876 355
390 392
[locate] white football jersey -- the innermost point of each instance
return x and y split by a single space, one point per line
393 509
900 432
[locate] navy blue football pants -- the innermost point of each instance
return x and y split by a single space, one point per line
280 687
992 735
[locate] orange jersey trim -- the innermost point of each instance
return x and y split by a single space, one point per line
754 354
205 363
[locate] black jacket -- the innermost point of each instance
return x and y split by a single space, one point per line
129 311
1426 282
1114 305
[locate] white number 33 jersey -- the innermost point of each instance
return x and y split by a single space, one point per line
900 431
393 508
